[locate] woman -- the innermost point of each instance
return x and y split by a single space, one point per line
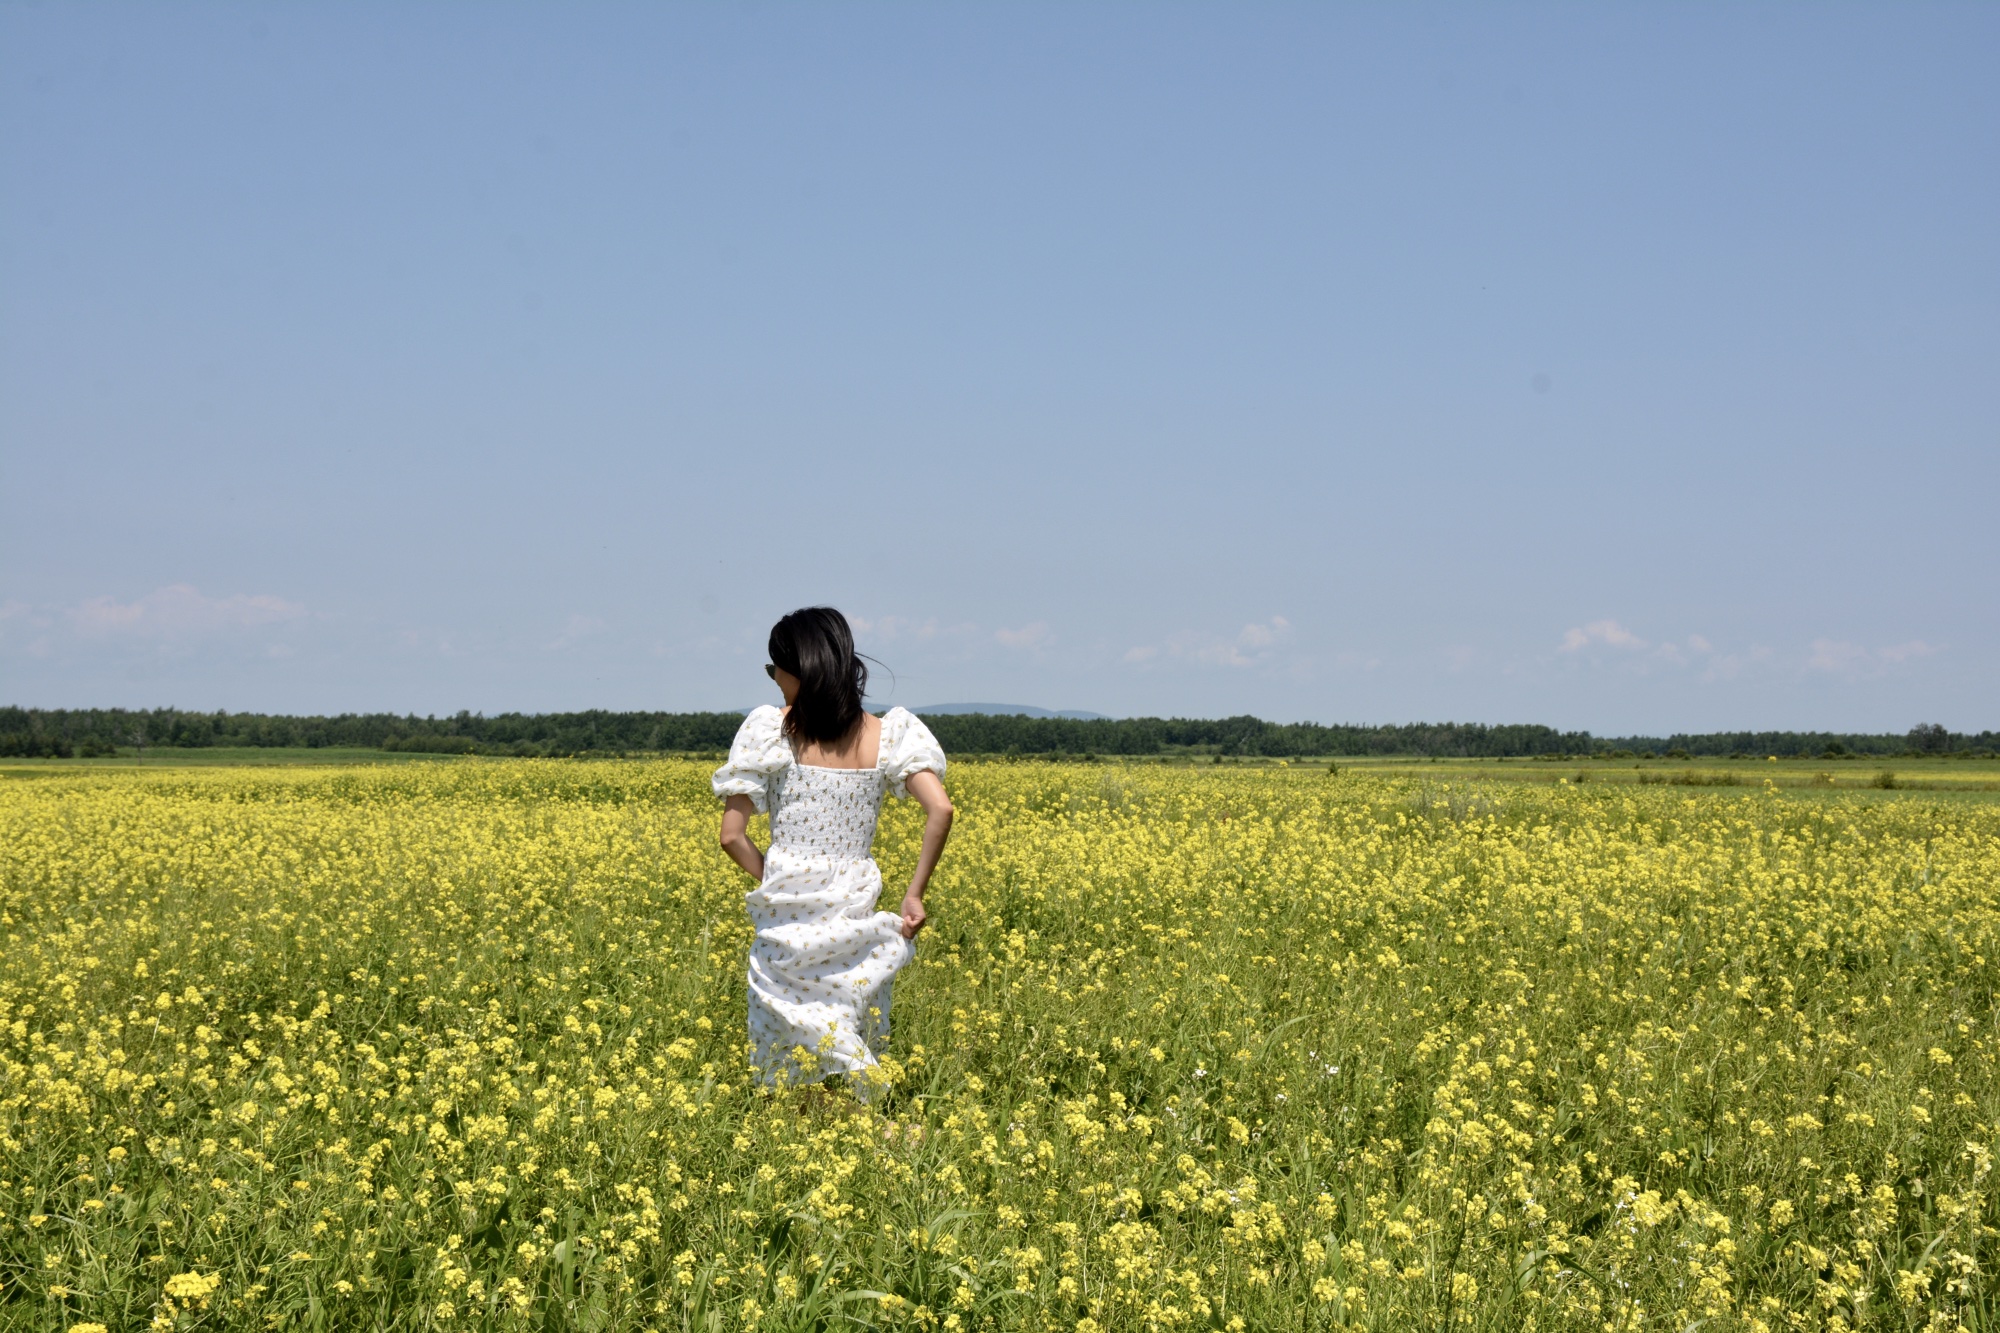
823 958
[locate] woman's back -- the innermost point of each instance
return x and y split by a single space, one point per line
861 748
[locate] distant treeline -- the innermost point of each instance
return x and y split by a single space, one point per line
62 733
88 731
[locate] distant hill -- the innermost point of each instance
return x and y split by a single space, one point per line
1009 710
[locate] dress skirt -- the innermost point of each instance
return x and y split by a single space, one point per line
821 966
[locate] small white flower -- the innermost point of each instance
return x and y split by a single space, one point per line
1201 1073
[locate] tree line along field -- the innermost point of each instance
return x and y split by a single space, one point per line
100 732
459 1045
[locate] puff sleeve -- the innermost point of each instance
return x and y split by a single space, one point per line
758 751
908 747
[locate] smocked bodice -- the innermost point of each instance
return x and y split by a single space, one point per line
825 811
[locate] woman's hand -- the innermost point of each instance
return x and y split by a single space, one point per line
913 914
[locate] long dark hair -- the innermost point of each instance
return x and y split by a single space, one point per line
815 644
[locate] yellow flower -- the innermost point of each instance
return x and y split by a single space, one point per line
1650 1210
192 1286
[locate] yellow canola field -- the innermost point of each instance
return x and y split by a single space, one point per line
459 1045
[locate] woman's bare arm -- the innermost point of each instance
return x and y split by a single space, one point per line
929 793
736 813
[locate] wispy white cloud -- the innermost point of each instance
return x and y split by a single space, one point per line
1036 634
1608 642
577 629
1853 661
1460 657
958 638
178 611
1907 652
1732 665
1608 633
1696 648
885 630
429 640
1836 655
1264 634
172 622
1255 643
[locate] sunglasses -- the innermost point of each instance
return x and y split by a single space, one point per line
771 670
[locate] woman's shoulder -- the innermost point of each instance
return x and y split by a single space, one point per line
907 747
763 725
900 721
903 732
758 751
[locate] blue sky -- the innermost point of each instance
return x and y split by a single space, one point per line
1624 367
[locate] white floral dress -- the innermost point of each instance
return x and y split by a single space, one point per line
823 958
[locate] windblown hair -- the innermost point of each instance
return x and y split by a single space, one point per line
815 644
